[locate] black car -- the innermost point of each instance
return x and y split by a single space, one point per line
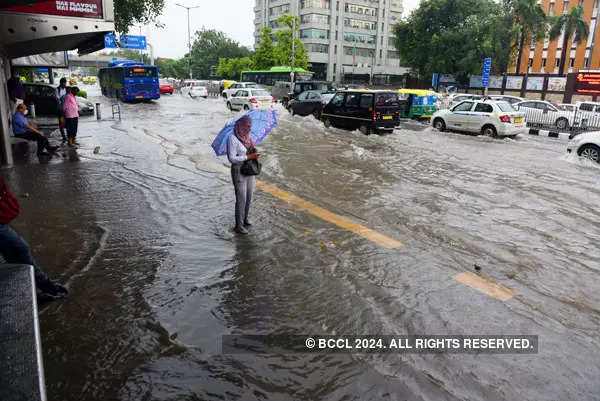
303 86
308 102
43 97
370 111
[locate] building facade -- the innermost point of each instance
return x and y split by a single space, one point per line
343 37
544 56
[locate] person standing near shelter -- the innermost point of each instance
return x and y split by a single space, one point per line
239 149
16 92
71 115
23 129
61 92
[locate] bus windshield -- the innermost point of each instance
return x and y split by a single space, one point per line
140 72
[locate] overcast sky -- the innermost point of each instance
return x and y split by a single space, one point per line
234 17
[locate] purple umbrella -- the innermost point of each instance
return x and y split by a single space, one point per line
263 121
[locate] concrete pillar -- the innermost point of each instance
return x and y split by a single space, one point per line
6 158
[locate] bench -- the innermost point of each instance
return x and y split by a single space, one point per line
21 363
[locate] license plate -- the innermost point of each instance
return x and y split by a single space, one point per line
139 97
518 120
265 101
387 117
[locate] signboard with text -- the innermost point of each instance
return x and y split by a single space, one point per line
588 83
67 8
487 67
125 41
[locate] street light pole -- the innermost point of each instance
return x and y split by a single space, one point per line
189 40
292 73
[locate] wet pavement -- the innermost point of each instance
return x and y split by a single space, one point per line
142 234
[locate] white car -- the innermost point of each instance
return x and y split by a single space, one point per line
507 98
487 117
194 89
567 107
235 87
456 98
250 99
586 145
544 113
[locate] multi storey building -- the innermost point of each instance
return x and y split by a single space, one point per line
544 56
343 37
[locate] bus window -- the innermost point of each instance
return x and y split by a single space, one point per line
140 72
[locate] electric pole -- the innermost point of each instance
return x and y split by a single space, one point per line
189 40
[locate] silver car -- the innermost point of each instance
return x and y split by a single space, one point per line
250 99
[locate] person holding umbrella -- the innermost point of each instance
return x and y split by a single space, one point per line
239 149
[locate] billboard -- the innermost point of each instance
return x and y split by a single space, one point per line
66 8
588 83
535 83
557 84
515 82
496 81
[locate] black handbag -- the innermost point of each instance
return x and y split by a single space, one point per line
251 167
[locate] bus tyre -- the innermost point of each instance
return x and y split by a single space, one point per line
439 124
229 105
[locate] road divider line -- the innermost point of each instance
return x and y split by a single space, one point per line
330 217
485 286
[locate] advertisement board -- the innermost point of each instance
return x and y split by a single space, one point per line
514 82
67 8
475 81
496 81
535 83
557 84
588 83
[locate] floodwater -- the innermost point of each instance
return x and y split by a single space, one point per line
143 235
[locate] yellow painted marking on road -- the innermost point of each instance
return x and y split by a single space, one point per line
487 287
330 217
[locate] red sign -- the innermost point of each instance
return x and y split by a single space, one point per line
68 8
588 83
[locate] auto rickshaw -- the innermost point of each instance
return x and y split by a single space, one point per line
421 103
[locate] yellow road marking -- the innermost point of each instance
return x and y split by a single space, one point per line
487 287
331 217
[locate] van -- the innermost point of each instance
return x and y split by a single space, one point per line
370 111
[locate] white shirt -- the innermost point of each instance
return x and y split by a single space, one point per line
60 92
236 151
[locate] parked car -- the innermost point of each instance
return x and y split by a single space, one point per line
193 89
507 98
586 145
370 111
43 97
588 114
302 86
456 98
165 86
308 102
488 117
544 113
227 93
250 99
566 107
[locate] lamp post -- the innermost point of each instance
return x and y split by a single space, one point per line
189 43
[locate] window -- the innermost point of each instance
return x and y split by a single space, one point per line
358 51
359 24
336 36
337 99
395 16
352 99
356 37
260 92
505 107
303 96
337 5
282 9
317 48
571 62
530 62
464 106
586 107
529 105
313 96
551 10
314 33
335 49
314 4
557 64
140 72
483 108
565 7
356 9
366 101
315 18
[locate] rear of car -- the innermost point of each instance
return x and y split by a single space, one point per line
165 86
510 122
198 89
260 99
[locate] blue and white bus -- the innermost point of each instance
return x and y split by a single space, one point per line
129 80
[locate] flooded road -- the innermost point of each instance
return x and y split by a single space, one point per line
157 275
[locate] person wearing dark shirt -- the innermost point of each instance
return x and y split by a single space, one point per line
25 130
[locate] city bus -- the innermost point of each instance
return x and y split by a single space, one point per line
269 77
129 81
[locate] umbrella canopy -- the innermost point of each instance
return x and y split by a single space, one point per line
263 121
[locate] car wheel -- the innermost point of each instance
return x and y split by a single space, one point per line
246 107
366 130
317 114
489 130
439 124
562 123
591 152
229 105
327 123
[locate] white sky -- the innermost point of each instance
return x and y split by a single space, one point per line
234 17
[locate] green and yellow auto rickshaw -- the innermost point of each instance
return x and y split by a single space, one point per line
421 103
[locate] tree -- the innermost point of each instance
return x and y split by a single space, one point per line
233 67
532 22
172 68
264 56
131 12
283 49
571 24
209 45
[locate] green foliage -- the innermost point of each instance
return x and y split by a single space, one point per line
574 26
264 57
531 21
209 45
231 68
283 49
82 93
170 68
454 36
134 55
131 12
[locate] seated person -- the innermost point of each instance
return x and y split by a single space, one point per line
25 130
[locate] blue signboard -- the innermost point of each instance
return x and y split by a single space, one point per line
487 66
41 70
125 42
434 80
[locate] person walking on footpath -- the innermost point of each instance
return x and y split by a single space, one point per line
239 149
14 249
22 128
61 93
71 115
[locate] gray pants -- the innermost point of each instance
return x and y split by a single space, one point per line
244 189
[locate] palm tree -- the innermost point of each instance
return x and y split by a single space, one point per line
532 21
571 24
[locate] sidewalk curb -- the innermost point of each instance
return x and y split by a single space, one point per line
549 134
